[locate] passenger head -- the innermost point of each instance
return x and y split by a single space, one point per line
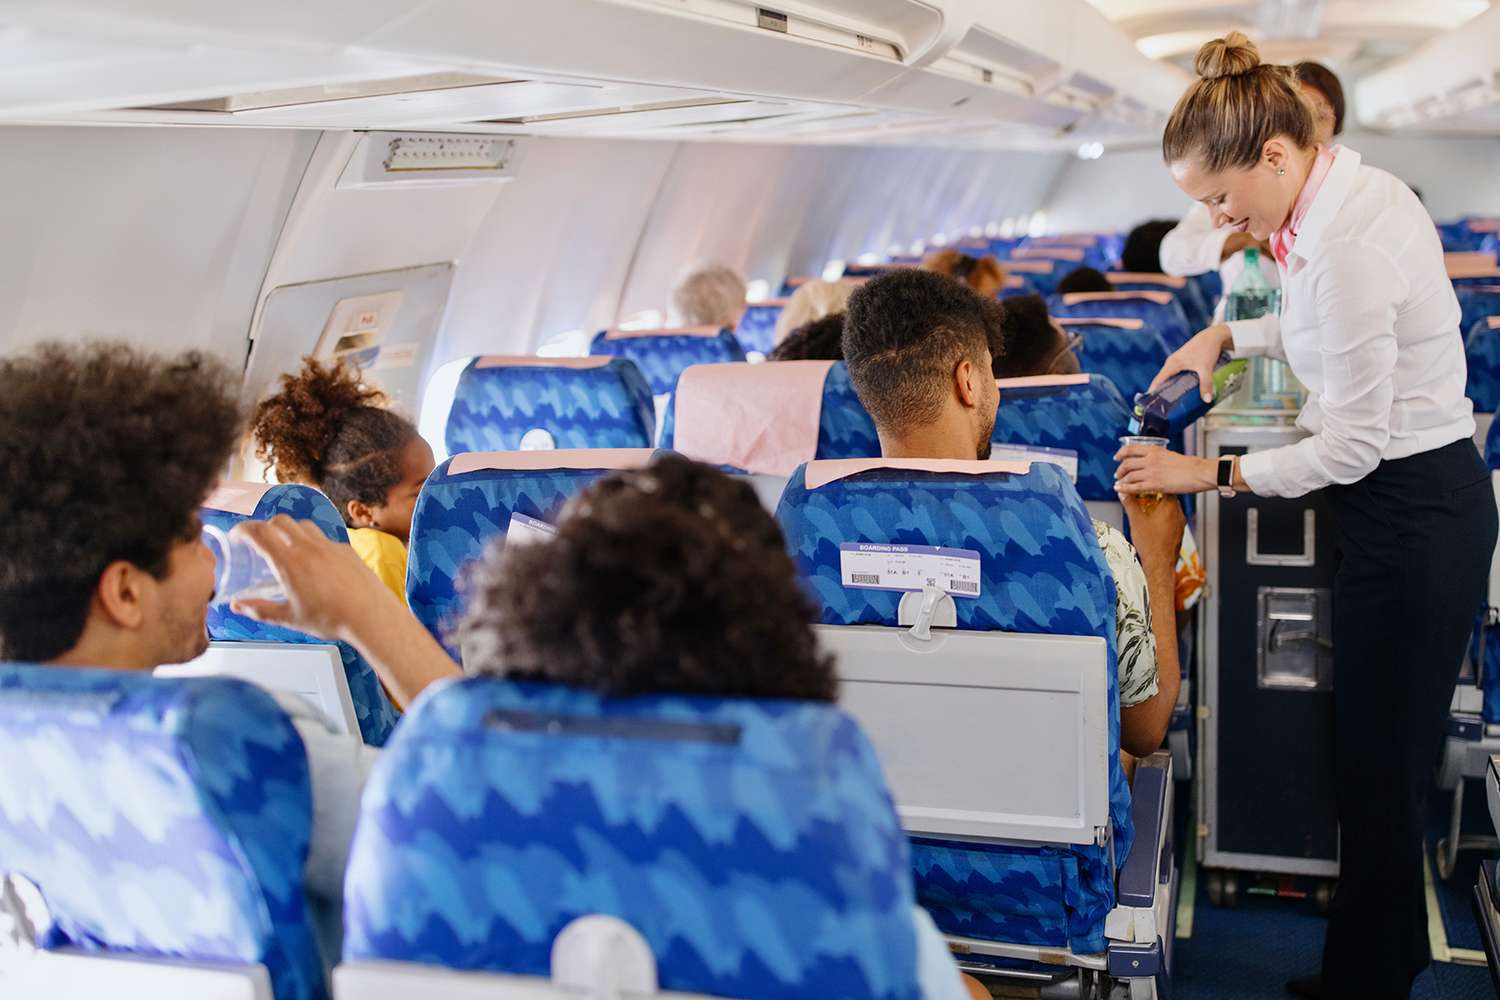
710 296
820 340
669 579
1142 251
919 347
1241 138
983 274
1035 343
1326 95
812 301
1084 279
328 429
106 454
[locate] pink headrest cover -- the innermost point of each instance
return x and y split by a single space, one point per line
1120 277
820 474
566 458
1041 381
1051 253
1118 324
237 498
1074 298
689 331
501 361
761 418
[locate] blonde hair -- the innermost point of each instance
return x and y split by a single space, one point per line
983 274
710 296
1236 106
810 303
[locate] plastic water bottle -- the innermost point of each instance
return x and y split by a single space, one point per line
1251 297
239 569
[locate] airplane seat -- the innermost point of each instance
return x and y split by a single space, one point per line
1124 351
153 835
1478 299
748 847
1040 276
1482 351
767 419
661 355
1158 309
994 707
241 641
515 403
757 329
1198 309
470 501
1082 413
1211 287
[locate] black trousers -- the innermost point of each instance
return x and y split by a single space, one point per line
1415 538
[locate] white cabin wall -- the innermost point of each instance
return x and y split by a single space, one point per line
160 236
1456 176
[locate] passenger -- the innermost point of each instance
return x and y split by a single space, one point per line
986 275
1033 343
1082 279
811 302
919 356
820 340
710 296
670 579
106 454
1142 252
326 428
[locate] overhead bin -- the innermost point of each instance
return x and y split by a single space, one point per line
1450 84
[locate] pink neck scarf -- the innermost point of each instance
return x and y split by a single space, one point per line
1285 238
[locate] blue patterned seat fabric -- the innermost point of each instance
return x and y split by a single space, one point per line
1088 418
1482 348
495 405
1167 319
160 818
376 715
1130 359
752 843
845 429
1042 571
757 329
1457 237
456 519
1195 305
1038 282
662 357
1478 302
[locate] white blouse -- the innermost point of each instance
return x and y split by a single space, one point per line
1369 323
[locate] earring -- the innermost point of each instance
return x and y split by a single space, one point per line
1281 172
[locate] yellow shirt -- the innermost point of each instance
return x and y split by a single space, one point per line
384 554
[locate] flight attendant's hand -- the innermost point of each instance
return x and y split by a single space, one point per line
1200 355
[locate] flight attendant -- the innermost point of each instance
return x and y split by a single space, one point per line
1369 323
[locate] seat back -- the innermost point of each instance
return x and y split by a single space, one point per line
1478 301
1189 295
1082 413
1482 350
752 843
757 329
1041 575
467 503
769 418
1040 274
661 355
233 502
1122 350
1158 309
507 403
159 819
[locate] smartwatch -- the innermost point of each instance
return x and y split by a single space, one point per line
1226 476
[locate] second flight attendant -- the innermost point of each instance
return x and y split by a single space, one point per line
1369 324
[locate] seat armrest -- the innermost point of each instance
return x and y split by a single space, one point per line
1148 808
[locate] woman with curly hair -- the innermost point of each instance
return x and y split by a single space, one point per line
327 428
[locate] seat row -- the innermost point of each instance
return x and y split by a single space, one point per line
522 839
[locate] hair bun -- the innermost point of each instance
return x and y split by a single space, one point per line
1232 55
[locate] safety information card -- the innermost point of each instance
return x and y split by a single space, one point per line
871 566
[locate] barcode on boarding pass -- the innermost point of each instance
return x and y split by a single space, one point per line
874 566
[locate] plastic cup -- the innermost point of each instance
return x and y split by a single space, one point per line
239 570
1147 501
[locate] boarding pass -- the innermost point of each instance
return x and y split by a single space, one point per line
525 530
872 566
